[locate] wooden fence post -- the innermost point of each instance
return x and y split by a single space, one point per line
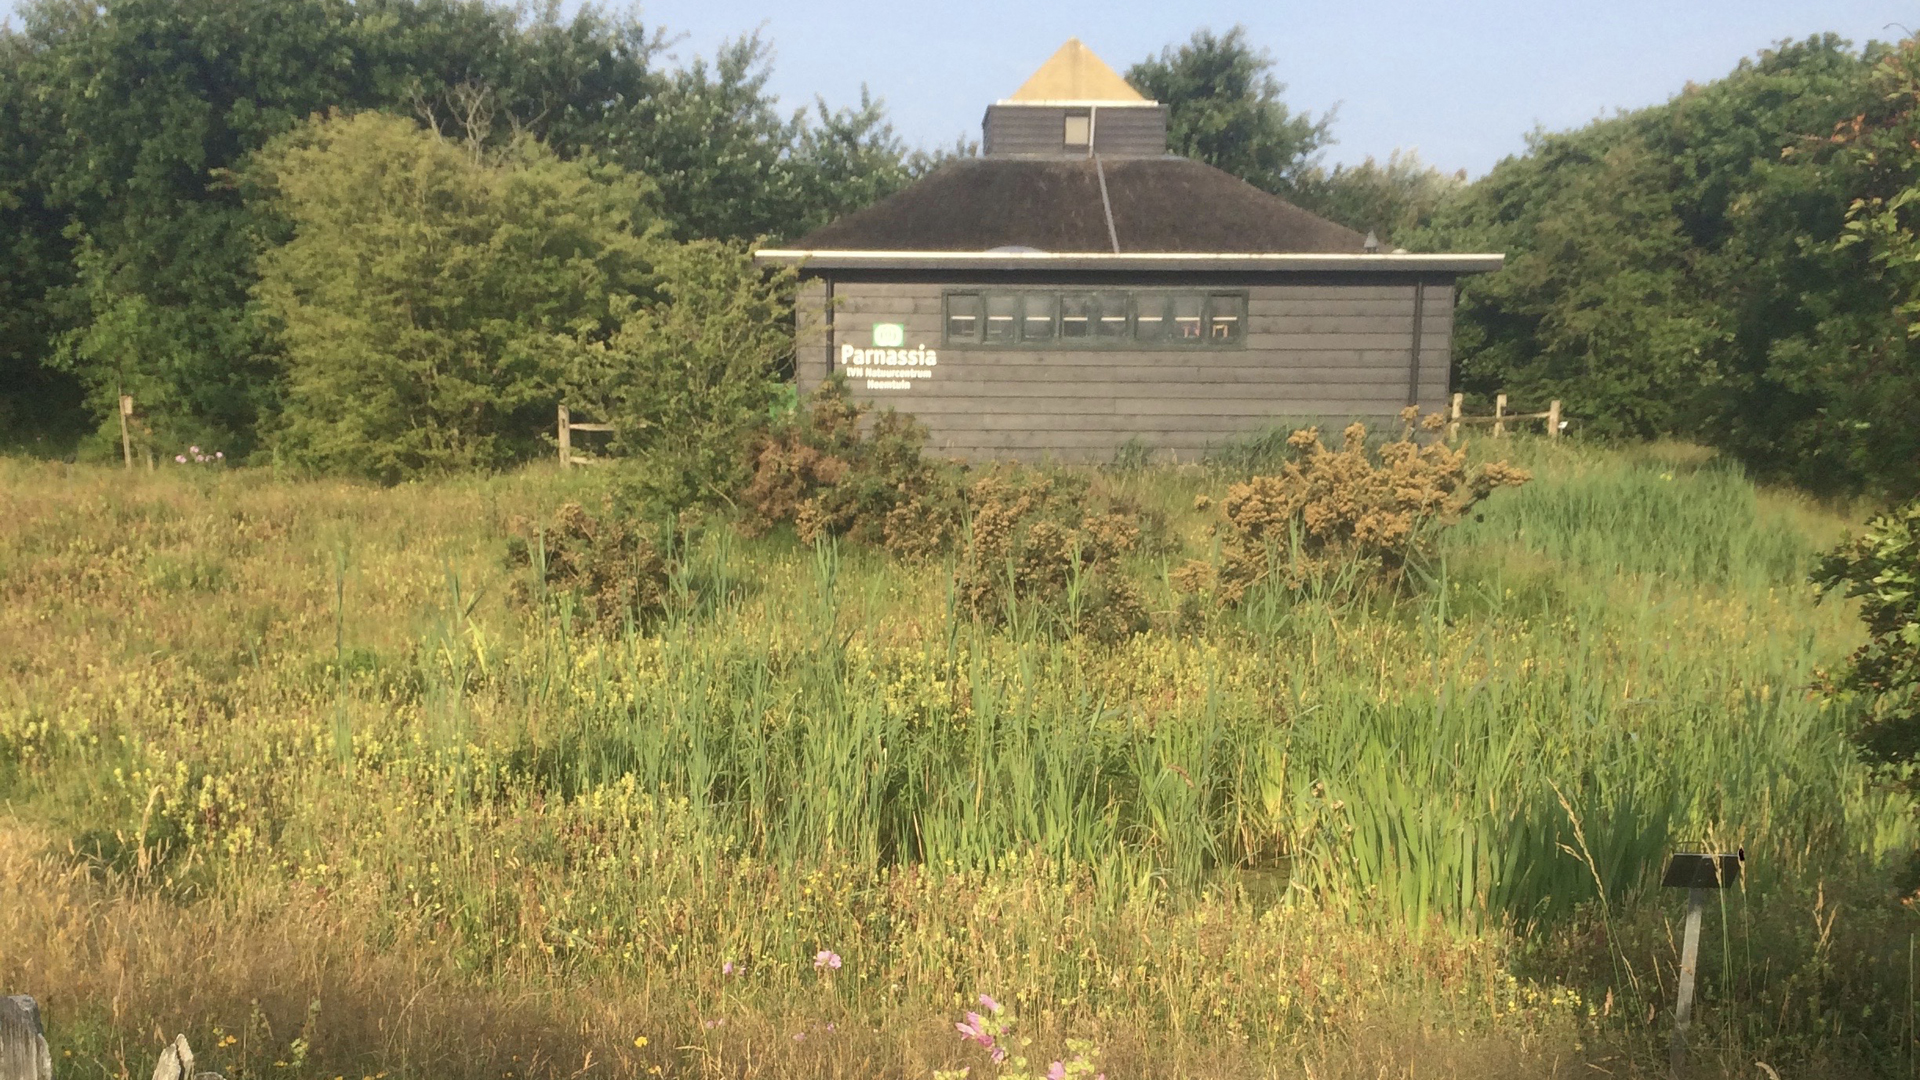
23 1045
126 441
1453 429
566 439
1553 419
1499 415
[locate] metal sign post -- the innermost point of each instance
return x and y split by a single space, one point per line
1696 872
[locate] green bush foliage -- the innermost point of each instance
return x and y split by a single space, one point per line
1881 567
427 287
688 379
1735 265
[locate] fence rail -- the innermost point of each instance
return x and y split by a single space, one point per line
1501 417
566 429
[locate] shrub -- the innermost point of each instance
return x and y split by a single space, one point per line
826 477
610 568
429 287
687 380
1037 548
1882 568
1346 509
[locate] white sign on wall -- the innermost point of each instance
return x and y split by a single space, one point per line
889 335
888 368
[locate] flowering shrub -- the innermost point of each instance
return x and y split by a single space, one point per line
1346 508
1036 543
826 477
199 457
610 567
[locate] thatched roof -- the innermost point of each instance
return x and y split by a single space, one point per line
1163 204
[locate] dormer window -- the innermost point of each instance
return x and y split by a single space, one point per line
1079 130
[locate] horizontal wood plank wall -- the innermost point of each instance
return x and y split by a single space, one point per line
1130 130
1025 129
810 363
1314 353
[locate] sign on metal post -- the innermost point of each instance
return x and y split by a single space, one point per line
126 443
1696 872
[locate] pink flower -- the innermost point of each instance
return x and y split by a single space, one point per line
976 1030
799 1036
989 1004
1056 1071
181 458
729 968
219 455
193 449
825 959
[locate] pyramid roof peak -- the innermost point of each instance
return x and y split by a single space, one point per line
1073 73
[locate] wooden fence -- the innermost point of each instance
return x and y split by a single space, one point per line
567 427
1501 418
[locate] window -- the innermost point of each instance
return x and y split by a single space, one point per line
1225 313
1138 319
963 316
1079 313
1002 311
1113 316
1186 317
1079 131
1150 317
1036 322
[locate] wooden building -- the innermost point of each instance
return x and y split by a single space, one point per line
1076 287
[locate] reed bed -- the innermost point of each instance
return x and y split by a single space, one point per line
305 770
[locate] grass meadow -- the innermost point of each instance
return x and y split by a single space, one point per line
304 770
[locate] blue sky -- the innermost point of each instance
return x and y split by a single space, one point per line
1462 82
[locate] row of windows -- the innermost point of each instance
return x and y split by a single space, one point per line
1140 317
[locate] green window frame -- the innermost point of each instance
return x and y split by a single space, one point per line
1093 317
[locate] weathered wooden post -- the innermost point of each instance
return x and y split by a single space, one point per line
566 439
23 1045
1453 428
1696 872
1499 416
176 1063
1553 419
126 440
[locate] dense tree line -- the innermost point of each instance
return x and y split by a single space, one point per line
129 238
1737 265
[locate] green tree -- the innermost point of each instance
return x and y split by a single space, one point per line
1881 568
138 108
1224 108
689 375
1597 305
1391 200
731 165
1678 270
430 288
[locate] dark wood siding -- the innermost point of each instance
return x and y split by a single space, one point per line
1130 131
1024 129
1041 130
1315 352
